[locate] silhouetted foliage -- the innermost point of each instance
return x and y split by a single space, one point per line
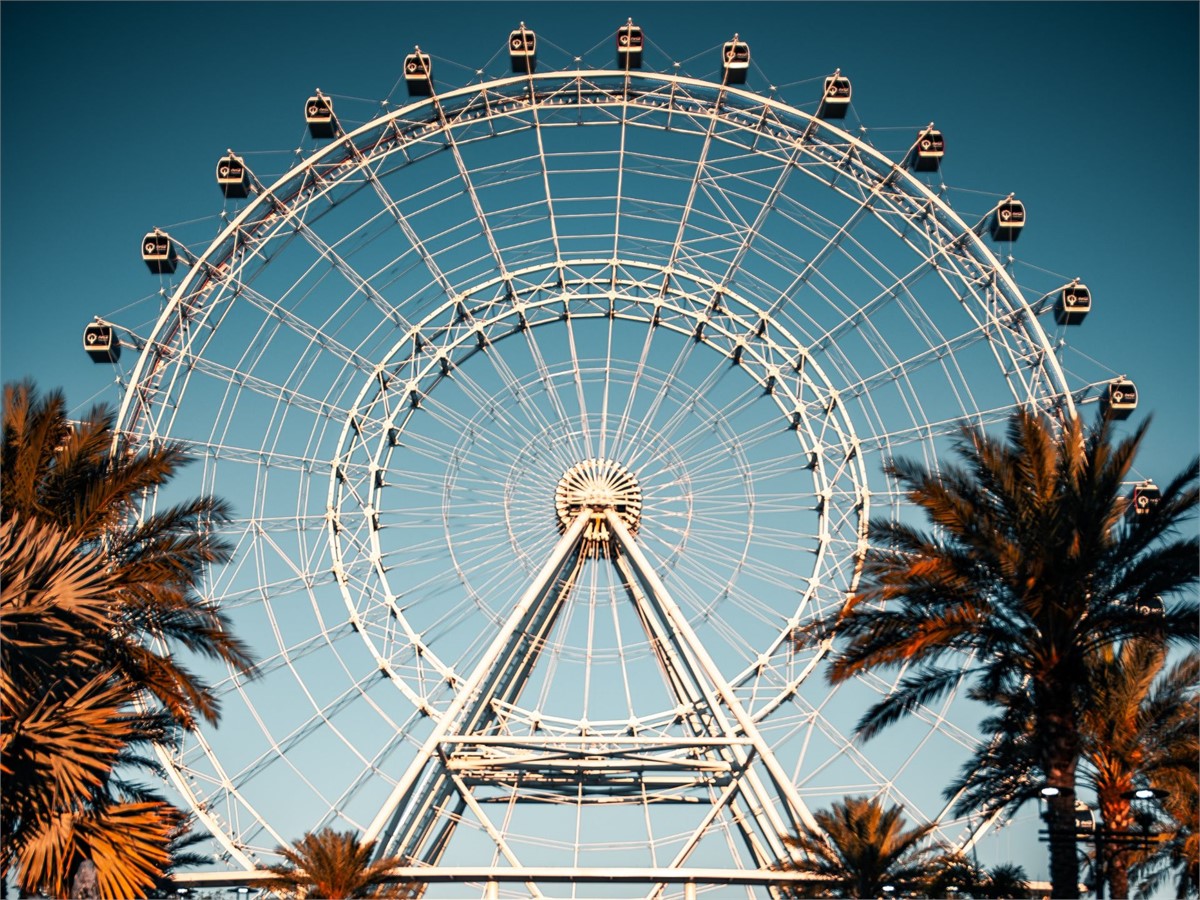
1032 567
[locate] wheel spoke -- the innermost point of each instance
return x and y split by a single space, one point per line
451 335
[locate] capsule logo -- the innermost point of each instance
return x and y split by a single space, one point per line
92 337
150 246
412 67
926 144
623 40
224 171
516 43
1006 214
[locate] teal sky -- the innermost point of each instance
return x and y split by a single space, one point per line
113 116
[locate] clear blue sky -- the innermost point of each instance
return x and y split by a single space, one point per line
112 117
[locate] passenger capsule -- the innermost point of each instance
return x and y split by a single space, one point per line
418 74
158 252
927 153
522 50
1144 498
629 46
233 178
836 99
1085 819
1008 220
1073 303
735 61
1120 398
101 343
1150 607
318 113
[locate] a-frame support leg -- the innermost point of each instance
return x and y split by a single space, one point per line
414 798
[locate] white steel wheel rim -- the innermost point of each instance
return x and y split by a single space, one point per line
832 378
372 446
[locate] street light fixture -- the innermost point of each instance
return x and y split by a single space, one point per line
1145 793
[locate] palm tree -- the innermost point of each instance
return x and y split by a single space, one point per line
67 727
185 849
94 603
333 865
864 847
1179 855
1033 566
71 475
956 875
1139 724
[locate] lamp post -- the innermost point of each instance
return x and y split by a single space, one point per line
1063 829
1129 839
1141 801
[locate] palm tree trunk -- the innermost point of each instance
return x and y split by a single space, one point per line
1064 860
85 884
1061 758
1116 816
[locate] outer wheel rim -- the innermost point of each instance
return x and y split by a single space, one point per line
1046 387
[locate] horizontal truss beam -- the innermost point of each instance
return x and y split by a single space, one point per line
544 874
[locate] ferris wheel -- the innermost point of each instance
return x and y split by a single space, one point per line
552 408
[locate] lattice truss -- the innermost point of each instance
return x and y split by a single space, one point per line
551 408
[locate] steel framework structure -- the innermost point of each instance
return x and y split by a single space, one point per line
547 349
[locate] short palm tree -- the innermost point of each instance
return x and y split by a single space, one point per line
1032 566
95 602
1004 882
186 851
865 846
958 876
1178 857
333 865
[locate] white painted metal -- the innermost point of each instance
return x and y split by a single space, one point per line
678 624
487 678
331 388
409 822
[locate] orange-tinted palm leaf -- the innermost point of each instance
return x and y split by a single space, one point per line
335 864
126 842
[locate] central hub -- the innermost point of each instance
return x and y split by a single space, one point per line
598 485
